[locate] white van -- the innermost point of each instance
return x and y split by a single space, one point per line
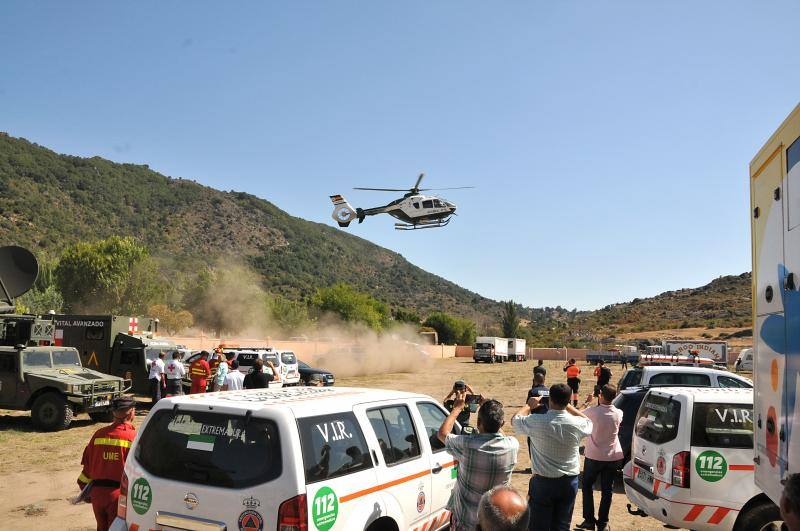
324 458
692 460
285 362
744 362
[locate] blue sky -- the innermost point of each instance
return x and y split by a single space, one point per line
609 141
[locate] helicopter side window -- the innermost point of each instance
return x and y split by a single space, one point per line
427 204
416 205
437 203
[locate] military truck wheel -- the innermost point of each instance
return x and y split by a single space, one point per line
102 416
50 412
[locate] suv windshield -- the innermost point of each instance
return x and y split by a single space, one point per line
723 425
215 449
630 378
658 419
288 358
36 358
66 358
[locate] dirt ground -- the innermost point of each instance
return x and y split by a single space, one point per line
38 470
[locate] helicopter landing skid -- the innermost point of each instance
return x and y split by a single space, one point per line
422 225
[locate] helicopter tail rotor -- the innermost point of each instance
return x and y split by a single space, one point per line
343 213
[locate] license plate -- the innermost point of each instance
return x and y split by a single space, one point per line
644 475
101 403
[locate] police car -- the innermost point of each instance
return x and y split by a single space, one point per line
692 461
300 458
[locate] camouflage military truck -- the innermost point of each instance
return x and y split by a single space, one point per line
50 381
36 376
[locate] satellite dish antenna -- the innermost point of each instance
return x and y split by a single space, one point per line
18 271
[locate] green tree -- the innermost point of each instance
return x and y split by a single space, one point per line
451 330
170 320
290 316
352 306
115 275
403 315
510 320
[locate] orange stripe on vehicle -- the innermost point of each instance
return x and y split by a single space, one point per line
134 527
741 467
376 488
693 513
718 515
656 485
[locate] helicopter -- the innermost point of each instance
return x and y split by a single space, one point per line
414 210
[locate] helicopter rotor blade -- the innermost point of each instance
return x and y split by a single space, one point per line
452 188
384 189
419 180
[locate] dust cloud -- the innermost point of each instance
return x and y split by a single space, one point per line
236 301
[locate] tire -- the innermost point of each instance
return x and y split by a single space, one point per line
102 416
764 516
51 412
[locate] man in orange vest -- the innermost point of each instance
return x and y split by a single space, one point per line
199 372
573 380
104 460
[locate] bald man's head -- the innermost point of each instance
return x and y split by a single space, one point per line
503 509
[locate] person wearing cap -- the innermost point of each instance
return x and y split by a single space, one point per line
104 461
200 372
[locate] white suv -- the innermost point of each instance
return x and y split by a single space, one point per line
296 458
692 460
678 375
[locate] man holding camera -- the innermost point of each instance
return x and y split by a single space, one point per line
485 459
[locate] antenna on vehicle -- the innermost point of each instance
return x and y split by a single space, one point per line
18 271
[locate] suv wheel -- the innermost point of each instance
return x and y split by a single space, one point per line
50 412
762 517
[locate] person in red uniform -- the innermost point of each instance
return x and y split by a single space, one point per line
200 371
104 460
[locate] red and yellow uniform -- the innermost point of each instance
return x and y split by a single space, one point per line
199 371
103 462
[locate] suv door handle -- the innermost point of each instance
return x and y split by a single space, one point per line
436 469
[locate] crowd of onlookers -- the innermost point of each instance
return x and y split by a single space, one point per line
223 373
555 428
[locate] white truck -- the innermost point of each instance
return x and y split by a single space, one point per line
490 349
775 229
716 350
517 350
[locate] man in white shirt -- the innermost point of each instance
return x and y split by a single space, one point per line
156 377
234 380
175 373
555 438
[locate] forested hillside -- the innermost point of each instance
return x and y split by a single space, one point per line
51 200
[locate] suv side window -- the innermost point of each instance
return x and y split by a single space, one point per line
723 426
672 378
658 419
632 377
432 418
727 381
395 432
333 446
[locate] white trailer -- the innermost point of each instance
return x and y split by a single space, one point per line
775 226
490 349
516 350
716 350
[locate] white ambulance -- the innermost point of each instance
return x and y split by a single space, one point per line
300 458
692 461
